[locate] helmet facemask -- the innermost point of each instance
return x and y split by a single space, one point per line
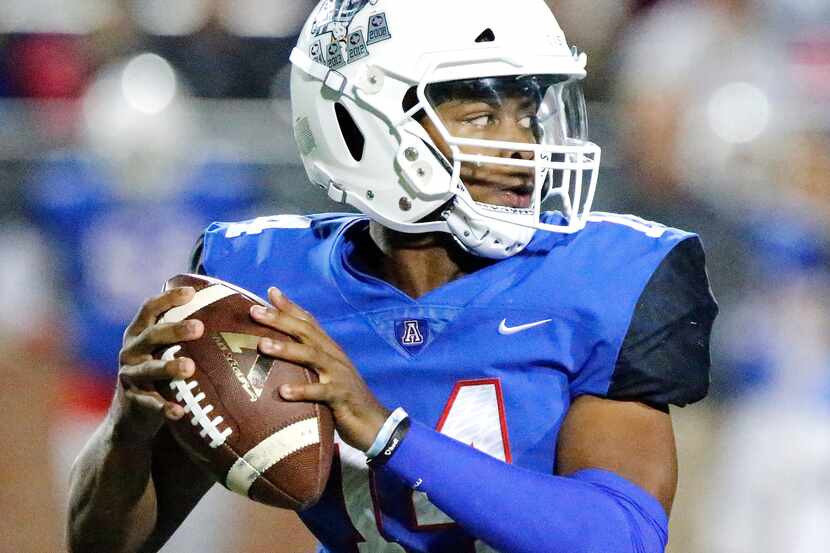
509 143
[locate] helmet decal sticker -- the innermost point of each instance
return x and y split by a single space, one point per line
334 56
378 29
356 47
335 16
316 52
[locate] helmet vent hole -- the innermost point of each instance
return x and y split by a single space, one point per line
349 130
486 35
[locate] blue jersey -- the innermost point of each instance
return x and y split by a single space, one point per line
493 359
113 252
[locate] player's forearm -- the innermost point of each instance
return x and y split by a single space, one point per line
112 504
516 510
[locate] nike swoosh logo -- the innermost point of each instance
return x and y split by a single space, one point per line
508 330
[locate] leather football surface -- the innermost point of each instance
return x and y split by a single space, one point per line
237 425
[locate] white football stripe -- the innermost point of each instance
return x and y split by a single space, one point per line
201 299
269 452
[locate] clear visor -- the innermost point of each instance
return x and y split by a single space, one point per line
514 141
556 102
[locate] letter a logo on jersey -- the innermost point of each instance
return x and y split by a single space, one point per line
412 334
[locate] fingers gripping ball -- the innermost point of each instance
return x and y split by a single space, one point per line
236 424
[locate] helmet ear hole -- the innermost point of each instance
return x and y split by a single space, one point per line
487 35
349 130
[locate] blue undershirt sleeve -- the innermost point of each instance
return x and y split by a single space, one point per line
515 510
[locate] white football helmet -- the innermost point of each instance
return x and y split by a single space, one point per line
368 72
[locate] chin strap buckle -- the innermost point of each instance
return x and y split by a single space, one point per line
335 81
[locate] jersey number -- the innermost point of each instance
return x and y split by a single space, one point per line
473 414
260 224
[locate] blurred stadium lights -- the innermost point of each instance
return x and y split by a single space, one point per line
791 14
148 83
54 16
264 18
138 106
248 18
258 131
738 112
164 18
139 121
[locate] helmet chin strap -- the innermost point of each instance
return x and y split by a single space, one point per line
484 234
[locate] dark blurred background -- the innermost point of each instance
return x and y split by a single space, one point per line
127 125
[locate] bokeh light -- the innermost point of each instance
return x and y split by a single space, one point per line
264 18
159 17
148 83
739 112
54 16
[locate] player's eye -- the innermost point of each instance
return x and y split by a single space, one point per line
529 122
480 121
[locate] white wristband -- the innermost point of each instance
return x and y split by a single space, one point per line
386 431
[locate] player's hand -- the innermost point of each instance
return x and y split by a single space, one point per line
357 413
138 410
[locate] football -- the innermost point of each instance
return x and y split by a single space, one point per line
236 424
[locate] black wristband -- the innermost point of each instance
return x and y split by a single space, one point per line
391 446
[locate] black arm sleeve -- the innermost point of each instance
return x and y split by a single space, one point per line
664 358
196 265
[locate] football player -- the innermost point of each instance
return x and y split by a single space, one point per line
500 375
